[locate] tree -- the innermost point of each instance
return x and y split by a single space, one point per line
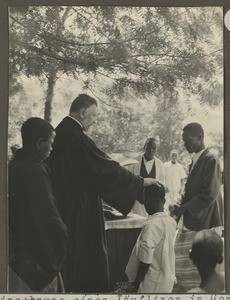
123 56
125 127
27 38
147 49
168 126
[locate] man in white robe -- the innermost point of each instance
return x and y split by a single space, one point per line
174 179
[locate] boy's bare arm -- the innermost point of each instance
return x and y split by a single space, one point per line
142 270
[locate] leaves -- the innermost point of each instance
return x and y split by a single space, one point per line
151 42
126 55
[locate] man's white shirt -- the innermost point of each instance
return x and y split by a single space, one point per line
148 164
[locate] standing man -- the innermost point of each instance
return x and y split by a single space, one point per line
148 165
83 175
174 179
37 235
201 205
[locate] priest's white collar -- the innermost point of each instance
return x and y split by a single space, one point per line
76 121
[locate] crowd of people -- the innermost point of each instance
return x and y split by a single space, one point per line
57 240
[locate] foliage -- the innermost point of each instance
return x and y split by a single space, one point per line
217 145
125 128
168 127
22 106
133 60
147 49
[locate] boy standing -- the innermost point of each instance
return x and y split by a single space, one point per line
151 267
37 235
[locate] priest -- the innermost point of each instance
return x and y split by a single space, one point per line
82 175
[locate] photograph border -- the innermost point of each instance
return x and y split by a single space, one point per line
4 54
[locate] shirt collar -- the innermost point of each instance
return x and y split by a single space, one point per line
197 156
148 161
160 213
26 153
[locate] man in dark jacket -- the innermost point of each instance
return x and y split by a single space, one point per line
201 207
37 235
82 175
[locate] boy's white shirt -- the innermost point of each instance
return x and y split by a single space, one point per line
155 246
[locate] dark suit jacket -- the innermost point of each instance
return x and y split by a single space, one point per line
202 198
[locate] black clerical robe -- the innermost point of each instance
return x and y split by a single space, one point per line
82 174
37 235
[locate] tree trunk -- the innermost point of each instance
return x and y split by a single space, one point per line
49 96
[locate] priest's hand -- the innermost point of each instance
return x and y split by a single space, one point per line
151 181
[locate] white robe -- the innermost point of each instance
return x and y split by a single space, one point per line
174 173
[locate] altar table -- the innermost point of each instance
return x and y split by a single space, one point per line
121 237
